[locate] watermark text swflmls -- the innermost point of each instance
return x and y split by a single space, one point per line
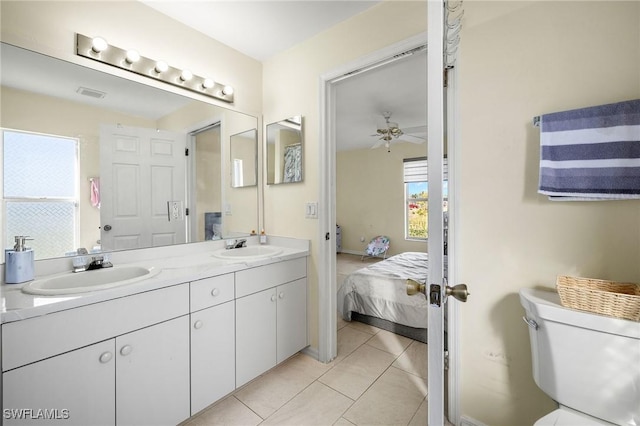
35 414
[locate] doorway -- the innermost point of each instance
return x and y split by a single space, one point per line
327 349
205 184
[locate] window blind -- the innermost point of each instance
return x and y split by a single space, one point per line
415 169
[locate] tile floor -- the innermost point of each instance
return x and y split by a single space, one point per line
378 378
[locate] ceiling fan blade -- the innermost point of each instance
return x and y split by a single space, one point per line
378 144
416 129
411 139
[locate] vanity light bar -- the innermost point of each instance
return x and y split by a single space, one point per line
99 50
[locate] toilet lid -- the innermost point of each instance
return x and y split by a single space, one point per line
564 416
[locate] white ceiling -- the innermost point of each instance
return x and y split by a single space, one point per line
276 25
399 87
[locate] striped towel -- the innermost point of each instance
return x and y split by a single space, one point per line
591 153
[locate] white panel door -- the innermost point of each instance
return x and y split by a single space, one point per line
141 171
152 374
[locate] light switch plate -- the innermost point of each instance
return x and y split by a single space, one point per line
311 210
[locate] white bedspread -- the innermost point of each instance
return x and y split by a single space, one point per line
379 290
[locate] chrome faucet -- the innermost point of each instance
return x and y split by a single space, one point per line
86 263
234 244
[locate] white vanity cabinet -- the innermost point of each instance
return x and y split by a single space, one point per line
212 340
271 316
60 385
152 375
128 356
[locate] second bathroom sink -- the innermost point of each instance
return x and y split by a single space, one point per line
248 253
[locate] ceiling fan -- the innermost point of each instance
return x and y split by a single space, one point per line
389 131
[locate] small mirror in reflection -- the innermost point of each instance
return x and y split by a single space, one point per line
284 151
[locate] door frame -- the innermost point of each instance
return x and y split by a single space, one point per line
327 281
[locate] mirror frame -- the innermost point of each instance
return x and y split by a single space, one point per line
293 123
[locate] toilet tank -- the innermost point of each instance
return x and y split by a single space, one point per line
588 362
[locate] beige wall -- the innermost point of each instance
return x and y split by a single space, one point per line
370 196
291 87
519 60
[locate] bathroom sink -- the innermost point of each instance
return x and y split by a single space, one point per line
248 253
95 280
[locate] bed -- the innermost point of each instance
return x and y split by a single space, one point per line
377 295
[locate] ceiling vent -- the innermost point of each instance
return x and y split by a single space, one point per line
92 93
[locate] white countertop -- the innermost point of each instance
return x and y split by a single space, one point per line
175 269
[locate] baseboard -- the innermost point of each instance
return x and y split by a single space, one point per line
468 421
356 252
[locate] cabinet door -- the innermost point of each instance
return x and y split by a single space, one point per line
152 374
291 318
213 355
255 335
75 388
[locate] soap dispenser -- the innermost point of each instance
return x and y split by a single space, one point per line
19 267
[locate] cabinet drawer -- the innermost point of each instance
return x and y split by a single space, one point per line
257 279
211 291
37 338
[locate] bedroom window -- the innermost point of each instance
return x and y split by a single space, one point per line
416 194
40 181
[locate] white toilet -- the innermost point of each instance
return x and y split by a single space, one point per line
589 364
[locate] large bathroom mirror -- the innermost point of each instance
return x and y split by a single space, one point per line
149 167
284 145
244 159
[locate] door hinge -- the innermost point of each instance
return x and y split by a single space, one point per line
446 360
327 236
186 152
186 211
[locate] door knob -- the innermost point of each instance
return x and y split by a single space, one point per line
107 227
459 292
414 287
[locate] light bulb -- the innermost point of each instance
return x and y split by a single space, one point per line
98 44
227 91
132 56
207 83
161 67
186 75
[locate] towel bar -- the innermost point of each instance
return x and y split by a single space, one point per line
536 121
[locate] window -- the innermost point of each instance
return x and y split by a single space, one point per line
40 181
416 194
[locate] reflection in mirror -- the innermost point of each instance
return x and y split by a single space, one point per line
124 133
284 151
244 159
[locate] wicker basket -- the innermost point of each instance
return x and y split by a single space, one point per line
620 300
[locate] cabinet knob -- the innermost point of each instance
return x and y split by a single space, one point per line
198 324
281 295
215 292
126 350
106 357
273 297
